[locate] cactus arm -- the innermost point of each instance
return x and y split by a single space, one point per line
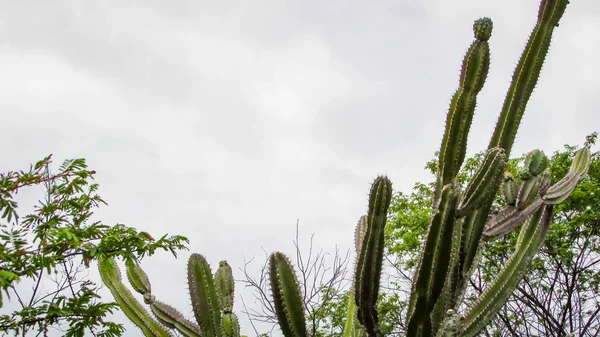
509 218
526 74
138 278
462 106
562 189
225 286
287 298
359 233
446 298
230 326
368 269
510 190
350 328
111 276
165 314
493 298
433 266
488 175
173 319
204 297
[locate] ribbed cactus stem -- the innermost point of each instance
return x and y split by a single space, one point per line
484 184
370 260
225 286
433 267
526 74
510 190
462 106
230 327
528 192
287 298
173 319
536 162
138 278
111 276
352 327
493 298
562 189
359 233
536 192
203 294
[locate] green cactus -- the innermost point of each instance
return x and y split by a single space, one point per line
352 328
212 300
370 258
287 297
462 221
368 237
461 224
462 106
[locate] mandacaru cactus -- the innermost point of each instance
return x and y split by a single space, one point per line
212 300
463 220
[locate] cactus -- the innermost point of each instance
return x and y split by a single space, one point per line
212 300
353 327
462 221
287 297
369 242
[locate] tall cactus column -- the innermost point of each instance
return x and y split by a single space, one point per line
527 73
370 260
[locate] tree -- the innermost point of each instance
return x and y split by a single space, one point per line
44 253
558 295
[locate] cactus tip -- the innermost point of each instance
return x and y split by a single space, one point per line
483 29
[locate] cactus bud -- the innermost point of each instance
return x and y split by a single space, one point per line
536 162
528 192
483 29
546 180
510 189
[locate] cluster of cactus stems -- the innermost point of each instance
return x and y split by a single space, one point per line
211 296
462 220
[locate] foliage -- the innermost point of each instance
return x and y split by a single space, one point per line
53 244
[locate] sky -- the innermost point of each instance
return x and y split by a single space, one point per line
229 121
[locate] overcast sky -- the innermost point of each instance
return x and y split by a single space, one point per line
226 121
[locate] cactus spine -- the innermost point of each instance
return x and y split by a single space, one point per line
212 300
